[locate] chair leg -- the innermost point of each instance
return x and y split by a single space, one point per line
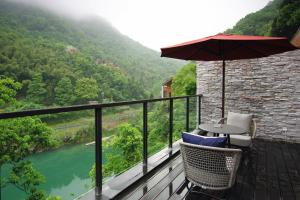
187 184
246 156
183 186
190 189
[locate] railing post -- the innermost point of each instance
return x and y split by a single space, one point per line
171 124
199 109
145 136
145 189
187 117
171 184
98 150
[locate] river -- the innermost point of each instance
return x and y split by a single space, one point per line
66 172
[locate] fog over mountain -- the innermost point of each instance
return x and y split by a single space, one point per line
72 8
158 23
35 42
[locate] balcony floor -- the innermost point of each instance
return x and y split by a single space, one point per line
271 172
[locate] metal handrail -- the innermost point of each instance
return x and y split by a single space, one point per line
82 107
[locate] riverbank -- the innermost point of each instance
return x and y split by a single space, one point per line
82 130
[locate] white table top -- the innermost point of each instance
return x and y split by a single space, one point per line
222 129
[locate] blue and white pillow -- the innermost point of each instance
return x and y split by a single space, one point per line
202 140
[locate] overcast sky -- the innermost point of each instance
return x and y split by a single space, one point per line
160 23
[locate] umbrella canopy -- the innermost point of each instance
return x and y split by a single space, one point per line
228 47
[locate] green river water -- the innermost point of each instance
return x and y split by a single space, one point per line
66 172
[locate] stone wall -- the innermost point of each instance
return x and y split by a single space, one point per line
267 87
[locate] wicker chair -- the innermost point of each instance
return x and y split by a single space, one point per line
210 168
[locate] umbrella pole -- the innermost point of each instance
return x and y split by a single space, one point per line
223 89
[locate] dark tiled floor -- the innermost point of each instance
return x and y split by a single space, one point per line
272 171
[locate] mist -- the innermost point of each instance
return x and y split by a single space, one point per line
76 9
157 23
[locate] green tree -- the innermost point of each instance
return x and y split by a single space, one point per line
125 151
87 89
184 82
26 178
20 138
159 121
257 23
36 90
277 18
64 93
8 90
287 22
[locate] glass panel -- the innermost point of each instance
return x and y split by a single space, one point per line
122 139
193 113
58 150
179 118
158 126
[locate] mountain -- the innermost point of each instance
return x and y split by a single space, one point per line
277 18
37 43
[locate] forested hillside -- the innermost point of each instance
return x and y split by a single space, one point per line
278 18
63 61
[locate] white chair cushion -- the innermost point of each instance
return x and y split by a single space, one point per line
240 140
239 120
196 131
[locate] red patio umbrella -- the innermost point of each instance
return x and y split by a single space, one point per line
227 47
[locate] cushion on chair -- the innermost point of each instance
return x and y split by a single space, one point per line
240 140
239 120
202 140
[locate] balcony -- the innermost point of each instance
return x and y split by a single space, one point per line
270 171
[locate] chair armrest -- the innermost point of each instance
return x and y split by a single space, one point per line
253 134
222 120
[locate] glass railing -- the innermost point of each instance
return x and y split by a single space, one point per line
92 144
